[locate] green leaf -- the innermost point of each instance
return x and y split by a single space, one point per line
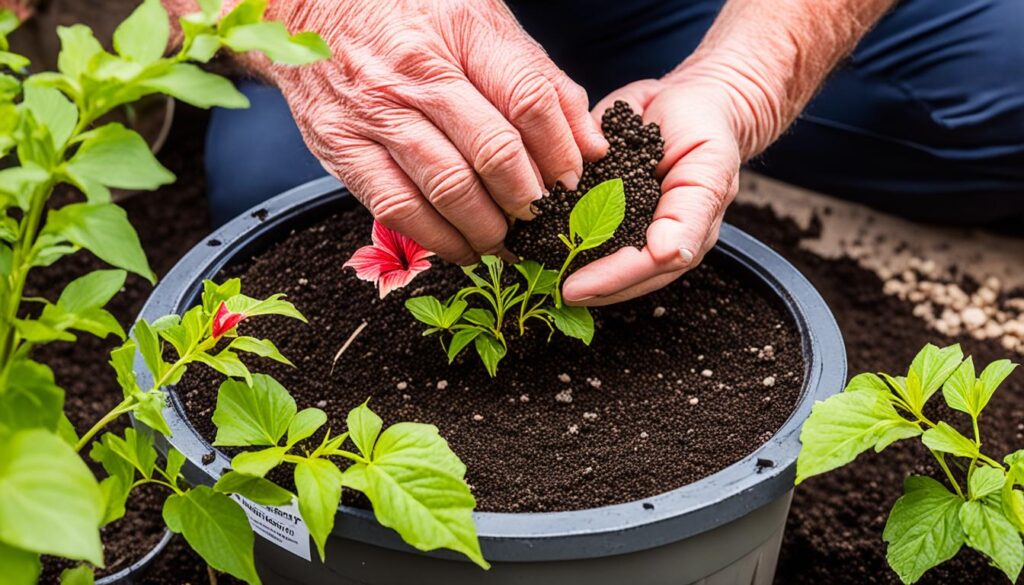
150 411
143 36
597 215
272 305
846 425
257 489
136 448
78 48
8 23
115 156
363 428
252 416
573 322
460 340
50 502
214 294
1013 500
304 424
215 527
490 350
946 439
923 529
991 533
416 486
91 291
273 40
245 12
50 106
115 496
20 567
194 86
258 463
32 399
228 363
150 348
991 377
481 317
867 382
40 331
175 460
426 309
261 347
318 482
931 367
986 481
104 230
961 389
80 575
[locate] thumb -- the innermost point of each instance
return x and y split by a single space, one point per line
637 94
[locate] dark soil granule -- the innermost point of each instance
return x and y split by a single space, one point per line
834 533
563 426
634 153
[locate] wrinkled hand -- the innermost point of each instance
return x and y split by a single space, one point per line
704 122
442 116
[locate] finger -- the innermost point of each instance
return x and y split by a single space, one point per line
576 107
448 182
369 171
492 146
534 108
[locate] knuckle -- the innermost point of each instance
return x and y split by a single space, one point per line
531 94
396 207
450 188
498 152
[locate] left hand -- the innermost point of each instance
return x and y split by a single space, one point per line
703 121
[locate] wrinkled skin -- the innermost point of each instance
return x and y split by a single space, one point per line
442 116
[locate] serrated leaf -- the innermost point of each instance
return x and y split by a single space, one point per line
868 381
596 216
427 310
931 367
252 416
318 482
986 481
573 322
923 529
416 486
51 106
946 439
78 47
845 426
991 377
990 532
50 502
215 527
257 489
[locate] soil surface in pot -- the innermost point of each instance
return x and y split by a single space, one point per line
674 387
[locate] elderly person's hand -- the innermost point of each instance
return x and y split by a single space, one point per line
755 70
442 116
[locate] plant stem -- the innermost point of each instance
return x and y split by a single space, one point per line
126 405
558 282
949 474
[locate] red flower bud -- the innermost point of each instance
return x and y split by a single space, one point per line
225 320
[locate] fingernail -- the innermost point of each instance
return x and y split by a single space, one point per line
581 299
686 255
569 180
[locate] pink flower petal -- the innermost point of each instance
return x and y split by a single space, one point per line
225 321
370 262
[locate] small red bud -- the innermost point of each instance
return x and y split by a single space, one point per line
225 320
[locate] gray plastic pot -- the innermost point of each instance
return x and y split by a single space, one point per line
136 573
725 529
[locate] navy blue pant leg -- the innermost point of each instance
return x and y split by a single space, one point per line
925 119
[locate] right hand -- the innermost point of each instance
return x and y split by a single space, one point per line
442 116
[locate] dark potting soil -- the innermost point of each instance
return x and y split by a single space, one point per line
671 390
834 533
633 154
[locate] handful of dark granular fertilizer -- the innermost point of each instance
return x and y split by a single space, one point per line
634 153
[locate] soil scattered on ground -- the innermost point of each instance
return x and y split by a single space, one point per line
634 152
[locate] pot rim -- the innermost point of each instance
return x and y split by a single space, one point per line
125 575
757 479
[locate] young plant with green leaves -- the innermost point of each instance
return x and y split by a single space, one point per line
52 133
979 504
414 481
592 222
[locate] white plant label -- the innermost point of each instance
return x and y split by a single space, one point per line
281 525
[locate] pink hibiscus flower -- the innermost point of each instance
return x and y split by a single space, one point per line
225 321
391 262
